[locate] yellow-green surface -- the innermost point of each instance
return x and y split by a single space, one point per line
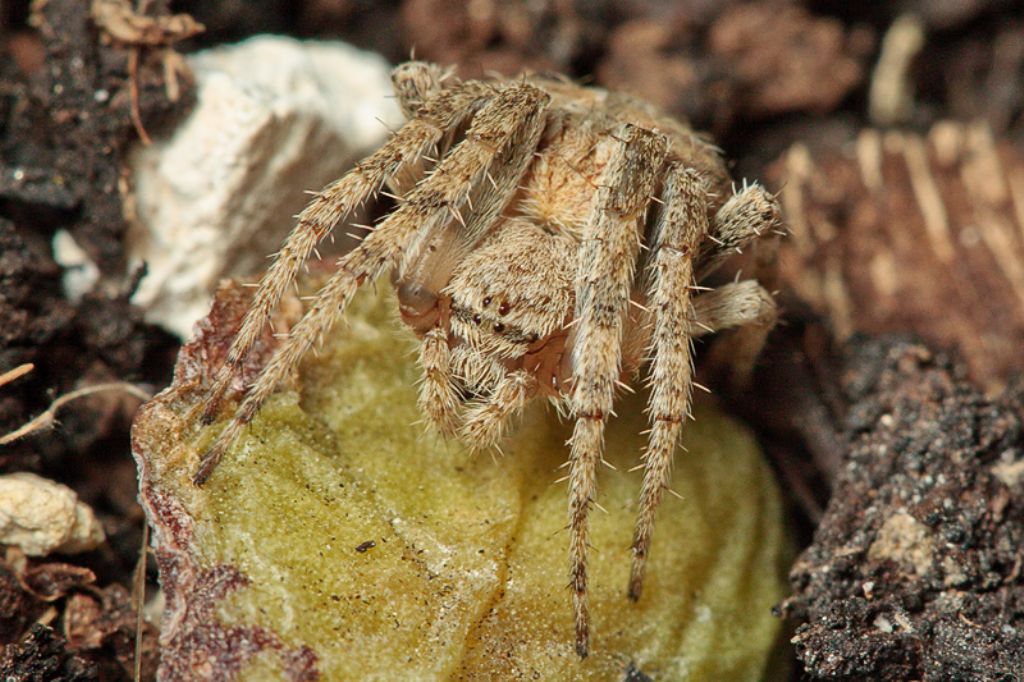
467 578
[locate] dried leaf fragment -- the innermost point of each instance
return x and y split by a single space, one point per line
120 20
909 233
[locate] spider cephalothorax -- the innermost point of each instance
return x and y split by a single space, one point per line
547 242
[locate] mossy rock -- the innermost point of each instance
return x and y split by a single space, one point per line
341 537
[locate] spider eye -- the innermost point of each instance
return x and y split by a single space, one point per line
476 319
487 301
499 328
503 308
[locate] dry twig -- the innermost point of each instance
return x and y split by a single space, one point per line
47 419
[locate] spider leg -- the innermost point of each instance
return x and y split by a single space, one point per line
681 226
439 398
505 130
506 393
476 373
746 306
332 205
750 214
604 275
415 83
486 420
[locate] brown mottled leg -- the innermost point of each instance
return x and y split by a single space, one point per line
604 276
681 227
438 399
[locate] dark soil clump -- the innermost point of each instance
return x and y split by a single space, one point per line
915 569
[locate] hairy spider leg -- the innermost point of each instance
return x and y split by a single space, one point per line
681 226
748 308
333 204
604 275
500 130
748 215
439 394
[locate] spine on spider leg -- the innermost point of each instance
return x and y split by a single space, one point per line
680 228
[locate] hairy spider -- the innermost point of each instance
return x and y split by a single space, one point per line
547 242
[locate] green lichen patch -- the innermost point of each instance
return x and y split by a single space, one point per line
391 553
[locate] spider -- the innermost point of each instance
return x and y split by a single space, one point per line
547 241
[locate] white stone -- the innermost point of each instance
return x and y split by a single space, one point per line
274 118
80 272
40 516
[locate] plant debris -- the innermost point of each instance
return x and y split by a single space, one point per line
123 23
66 127
904 232
43 655
98 624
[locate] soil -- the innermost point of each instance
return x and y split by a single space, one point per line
778 84
914 572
